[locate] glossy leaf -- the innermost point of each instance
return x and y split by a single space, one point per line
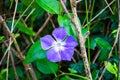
47 67
72 70
51 6
22 27
35 52
105 48
110 68
102 43
1 38
103 54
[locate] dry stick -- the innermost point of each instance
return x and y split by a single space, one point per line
7 66
51 21
109 7
5 53
29 14
96 56
12 60
116 39
43 26
11 48
22 57
81 39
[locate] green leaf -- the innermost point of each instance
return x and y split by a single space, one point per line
22 27
103 43
51 6
65 21
105 48
95 74
1 38
35 52
72 70
92 43
78 67
103 54
2 73
110 68
47 67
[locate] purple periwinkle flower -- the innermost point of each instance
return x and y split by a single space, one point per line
60 46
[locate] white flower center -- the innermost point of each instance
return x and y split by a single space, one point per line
58 45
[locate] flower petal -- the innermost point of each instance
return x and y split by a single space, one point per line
53 56
67 54
46 42
71 42
59 33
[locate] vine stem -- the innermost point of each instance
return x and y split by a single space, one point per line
70 74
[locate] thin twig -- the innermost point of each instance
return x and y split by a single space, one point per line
96 56
23 13
99 13
13 65
29 14
5 53
42 27
109 7
7 66
53 25
65 9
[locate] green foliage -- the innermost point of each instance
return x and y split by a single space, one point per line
105 48
18 71
2 72
72 70
112 68
35 52
65 78
78 67
47 67
65 21
95 74
28 2
1 38
92 43
51 6
22 27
